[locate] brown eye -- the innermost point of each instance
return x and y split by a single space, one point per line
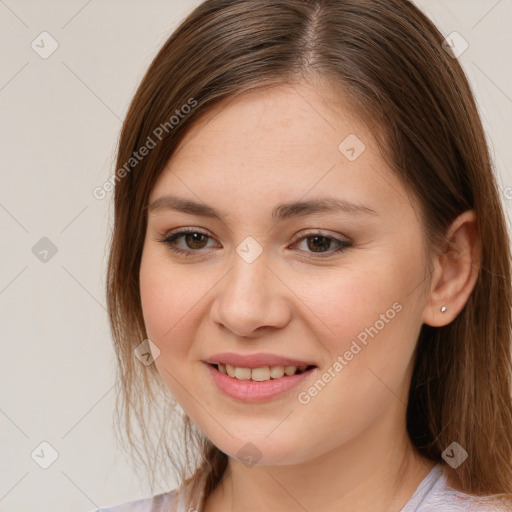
195 240
319 243
322 245
187 242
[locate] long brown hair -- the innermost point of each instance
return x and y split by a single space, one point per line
387 58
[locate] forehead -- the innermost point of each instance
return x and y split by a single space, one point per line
281 124
279 144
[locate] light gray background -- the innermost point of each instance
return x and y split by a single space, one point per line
61 118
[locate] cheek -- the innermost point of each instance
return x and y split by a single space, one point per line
369 316
173 299
370 341
345 304
167 299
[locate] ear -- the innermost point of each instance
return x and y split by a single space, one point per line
455 271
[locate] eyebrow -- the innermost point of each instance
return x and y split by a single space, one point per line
282 212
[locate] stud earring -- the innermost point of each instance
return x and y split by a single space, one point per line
443 309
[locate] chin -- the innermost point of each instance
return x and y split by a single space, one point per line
262 451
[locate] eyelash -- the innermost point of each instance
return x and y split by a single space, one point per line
170 239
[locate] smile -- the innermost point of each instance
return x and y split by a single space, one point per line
258 384
262 373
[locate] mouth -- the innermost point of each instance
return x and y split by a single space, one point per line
258 383
262 373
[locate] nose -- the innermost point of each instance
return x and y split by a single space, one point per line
250 300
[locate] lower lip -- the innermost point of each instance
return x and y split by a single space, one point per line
253 391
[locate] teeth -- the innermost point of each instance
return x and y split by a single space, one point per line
243 373
276 372
259 374
230 370
290 370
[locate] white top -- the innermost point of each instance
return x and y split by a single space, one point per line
432 495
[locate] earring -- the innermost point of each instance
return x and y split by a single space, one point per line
443 309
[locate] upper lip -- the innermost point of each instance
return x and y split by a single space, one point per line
255 360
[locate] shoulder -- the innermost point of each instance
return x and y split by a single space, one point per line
435 495
161 502
186 498
455 501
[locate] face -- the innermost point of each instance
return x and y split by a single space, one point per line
334 285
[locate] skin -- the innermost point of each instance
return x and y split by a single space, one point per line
347 449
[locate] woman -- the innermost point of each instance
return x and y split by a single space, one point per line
310 267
